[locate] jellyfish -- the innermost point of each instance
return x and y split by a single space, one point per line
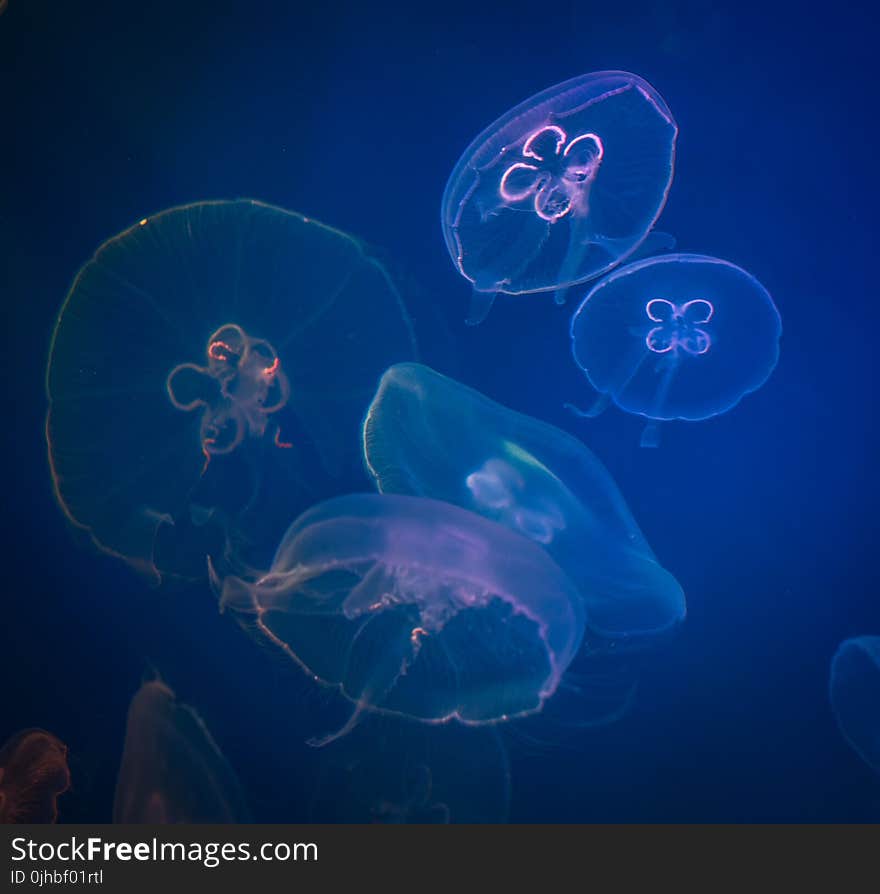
676 337
205 335
393 773
559 189
416 608
33 773
172 771
855 696
425 434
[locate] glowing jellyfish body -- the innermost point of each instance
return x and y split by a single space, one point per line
425 434
415 607
561 188
677 337
33 773
171 770
201 332
855 696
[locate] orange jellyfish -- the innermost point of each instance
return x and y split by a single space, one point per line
33 773
172 770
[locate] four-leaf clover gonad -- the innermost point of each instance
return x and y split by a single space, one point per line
557 174
679 326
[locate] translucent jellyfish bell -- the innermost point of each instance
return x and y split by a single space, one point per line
677 337
415 607
33 773
171 770
560 188
200 332
855 696
428 435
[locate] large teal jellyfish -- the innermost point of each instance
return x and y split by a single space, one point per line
197 335
855 696
415 607
429 435
172 771
560 188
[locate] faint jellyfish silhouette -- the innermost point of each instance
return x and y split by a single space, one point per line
676 337
172 771
208 330
560 188
854 690
395 772
33 773
415 607
417 804
428 435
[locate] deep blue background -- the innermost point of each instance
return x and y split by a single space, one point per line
356 114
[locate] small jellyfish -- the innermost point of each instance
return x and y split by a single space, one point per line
171 770
428 435
33 773
417 804
854 689
392 772
208 333
417 608
559 189
676 337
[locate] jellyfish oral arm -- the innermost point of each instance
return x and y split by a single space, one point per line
600 405
481 304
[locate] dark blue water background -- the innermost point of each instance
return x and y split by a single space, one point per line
355 114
